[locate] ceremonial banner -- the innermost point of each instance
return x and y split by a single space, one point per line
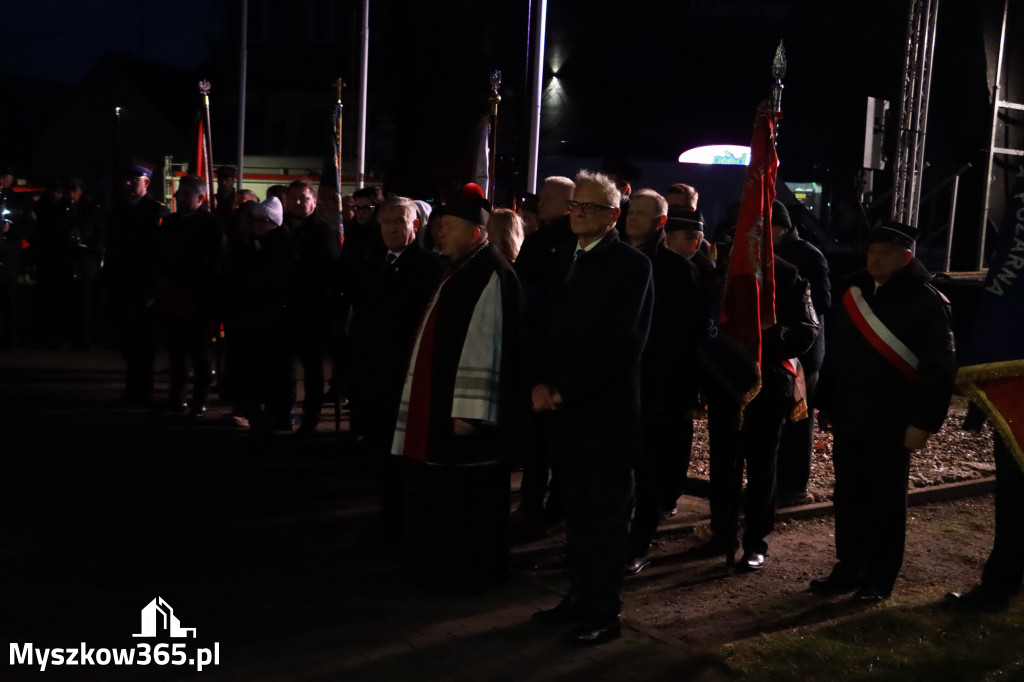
748 302
202 160
330 172
992 365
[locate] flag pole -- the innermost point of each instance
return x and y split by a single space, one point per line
243 66
536 95
494 100
204 89
339 85
363 73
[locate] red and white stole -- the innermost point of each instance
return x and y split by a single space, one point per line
878 335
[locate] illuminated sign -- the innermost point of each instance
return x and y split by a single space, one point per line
717 154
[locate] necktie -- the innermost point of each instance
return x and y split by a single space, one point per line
391 259
574 267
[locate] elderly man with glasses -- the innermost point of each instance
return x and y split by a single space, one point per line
587 376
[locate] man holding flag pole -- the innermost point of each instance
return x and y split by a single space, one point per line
765 321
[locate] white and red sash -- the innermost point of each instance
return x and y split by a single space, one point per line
878 335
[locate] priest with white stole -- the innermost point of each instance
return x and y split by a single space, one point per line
457 419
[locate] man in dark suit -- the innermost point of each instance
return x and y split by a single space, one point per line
669 391
388 298
533 266
315 245
191 244
587 374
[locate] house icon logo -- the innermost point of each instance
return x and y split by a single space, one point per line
158 617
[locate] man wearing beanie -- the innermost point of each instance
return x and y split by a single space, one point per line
797 440
885 385
457 417
258 336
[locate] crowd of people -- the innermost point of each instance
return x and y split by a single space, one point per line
574 337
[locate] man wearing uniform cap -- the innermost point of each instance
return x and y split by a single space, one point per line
457 418
885 385
684 233
129 279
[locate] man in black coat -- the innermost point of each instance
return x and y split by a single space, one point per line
129 279
533 266
669 385
191 255
797 443
459 411
315 244
388 299
586 372
756 443
885 386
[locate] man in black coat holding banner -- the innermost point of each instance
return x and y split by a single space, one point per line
885 386
586 372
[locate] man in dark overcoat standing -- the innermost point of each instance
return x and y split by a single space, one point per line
885 386
587 373
669 386
391 289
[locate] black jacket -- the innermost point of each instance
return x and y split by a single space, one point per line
387 304
865 395
669 376
813 267
594 327
130 268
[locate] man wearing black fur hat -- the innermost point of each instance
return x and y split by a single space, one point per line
885 385
458 413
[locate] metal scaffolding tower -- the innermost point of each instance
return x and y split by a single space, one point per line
917 79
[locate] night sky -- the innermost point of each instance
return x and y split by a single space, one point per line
643 82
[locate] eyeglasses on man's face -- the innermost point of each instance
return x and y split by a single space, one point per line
367 207
589 208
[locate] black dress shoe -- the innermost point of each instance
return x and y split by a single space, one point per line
870 594
592 632
634 566
569 610
833 584
978 598
752 561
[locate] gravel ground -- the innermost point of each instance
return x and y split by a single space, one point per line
951 455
